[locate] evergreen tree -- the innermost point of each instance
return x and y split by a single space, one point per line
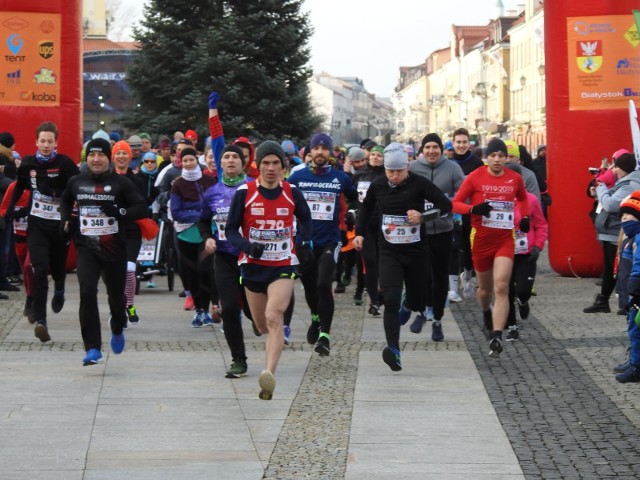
254 53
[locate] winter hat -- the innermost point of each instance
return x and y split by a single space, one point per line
364 142
191 135
135 141
98 145
269 147
448 145
289 147
236 149
410 150
101 134
356 154
631 204
378 148
395 157
617 153
512 148
115 137
146 136
121 145
626 162
150 156
369 145
321 139
188 151
496 145
431 137
164 143
7 140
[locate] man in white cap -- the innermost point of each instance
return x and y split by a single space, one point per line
400 197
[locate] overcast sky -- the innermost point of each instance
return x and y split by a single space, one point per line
371 40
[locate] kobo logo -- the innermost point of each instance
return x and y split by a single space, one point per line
45 49
43 97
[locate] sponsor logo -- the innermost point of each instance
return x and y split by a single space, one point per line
632 36
46 26
629 92
14 78
15 43
257 211
282 211
102 77
107 188
45 50
45 76
14 59
15 23
584 28
29 96
589 55
335 180
600 94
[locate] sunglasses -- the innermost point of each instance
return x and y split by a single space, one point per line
149 161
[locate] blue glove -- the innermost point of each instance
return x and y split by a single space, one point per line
214 97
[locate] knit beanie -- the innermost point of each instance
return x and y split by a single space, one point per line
378 148
98 145
626 162
431 137
496 145
321 139
188 151
356 154
289 147
236 149
395 157
617 153
269 147
115 136
7 140
135 141
146 136
150 156
101 134
631 205
512 148
121 145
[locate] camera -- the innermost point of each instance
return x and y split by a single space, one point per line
593 170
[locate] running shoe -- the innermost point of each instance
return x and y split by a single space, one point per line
468 289
374 310
314 330
513 334
622 367
346 279
287 335
454 297
495 346
357 299
216 313
132 315
196 321
151 284
117 343
237 369
404 314
323 346
42 332
340 288
188 303
267 383
57 301
182 294
14 280
391 357
92 357
206 318
418 323
524 309
256 332
9 287
436 331
3 296
631 374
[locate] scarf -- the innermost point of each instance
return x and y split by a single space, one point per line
232 182
144 170
42 159
316 170
631 228
192 175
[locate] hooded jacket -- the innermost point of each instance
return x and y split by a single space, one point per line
608 211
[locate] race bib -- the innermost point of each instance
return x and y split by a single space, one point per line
321 204
363 187
277 242
19 224
397 230
94 223
221 223
44 206
501 216
522 243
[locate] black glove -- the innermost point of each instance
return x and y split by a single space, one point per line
534 254
256 250
304 252
111 210
525 224
343 237
546 199
21 212
482 209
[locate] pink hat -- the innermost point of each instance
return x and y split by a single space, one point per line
617 153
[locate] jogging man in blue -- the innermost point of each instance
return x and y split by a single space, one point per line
322 187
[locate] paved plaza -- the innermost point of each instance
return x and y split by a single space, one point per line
548 408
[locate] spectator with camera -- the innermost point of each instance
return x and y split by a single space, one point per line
607 221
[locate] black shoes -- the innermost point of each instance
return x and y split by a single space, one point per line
600 305
57 301
323 346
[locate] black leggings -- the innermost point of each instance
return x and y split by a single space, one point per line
317 280
522 278
371 269
48 253
437 278
396 268
188 254
113 272
609 251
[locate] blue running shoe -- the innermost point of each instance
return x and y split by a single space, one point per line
206 318
404 314
197 322
391 357
117 343
287 335
93 357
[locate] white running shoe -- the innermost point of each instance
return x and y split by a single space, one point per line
454 297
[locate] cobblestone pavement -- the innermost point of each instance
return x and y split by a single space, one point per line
554 391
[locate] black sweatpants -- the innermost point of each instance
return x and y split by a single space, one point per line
395 269
439 248
188 254
48 253
317 279
523 276
371 269
114 273
233 300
